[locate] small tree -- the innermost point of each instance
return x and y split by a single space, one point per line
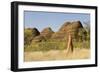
82 34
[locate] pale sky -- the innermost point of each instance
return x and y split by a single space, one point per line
55 20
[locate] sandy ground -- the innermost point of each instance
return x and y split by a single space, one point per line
56 55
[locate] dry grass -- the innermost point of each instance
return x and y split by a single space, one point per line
56 55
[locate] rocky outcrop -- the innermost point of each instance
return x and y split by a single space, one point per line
29 34
47 33
74 28
35 32
39 39
68 28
